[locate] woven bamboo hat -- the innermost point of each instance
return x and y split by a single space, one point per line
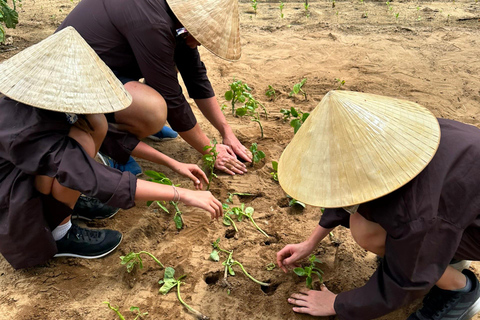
213 23
356 147
62 73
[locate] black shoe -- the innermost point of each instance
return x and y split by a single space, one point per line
87 243
88 208
443 304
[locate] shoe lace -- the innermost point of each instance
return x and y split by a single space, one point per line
437 302
85 234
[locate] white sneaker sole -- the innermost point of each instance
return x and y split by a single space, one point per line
72 255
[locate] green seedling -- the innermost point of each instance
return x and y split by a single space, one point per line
297 88
340 82
299 117
241 212
8 16
227 220
170 282
333 4
161 178
254 6
132 309
396 15
271 93
270 266
309 271
250 109
133 259
209 160
229 263
230 195
240 92
274 174
281 6
257 155
294 202
306 6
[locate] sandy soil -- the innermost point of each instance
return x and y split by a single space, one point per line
427 54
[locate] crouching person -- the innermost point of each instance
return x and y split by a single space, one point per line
51 127
407 185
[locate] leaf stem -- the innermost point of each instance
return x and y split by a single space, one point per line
248 275
197 314
153 257
258 228
233 223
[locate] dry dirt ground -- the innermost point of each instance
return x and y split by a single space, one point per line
423 51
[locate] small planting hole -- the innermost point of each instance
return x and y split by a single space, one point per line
212 278
272 239
270 290
230 233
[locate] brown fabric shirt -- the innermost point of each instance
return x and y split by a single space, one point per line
35 142
138 39
429 221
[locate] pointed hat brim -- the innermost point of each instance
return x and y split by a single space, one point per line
63 73
356 147
215 24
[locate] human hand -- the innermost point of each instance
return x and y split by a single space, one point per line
291 253
203 200
238 148
193 172
227 161
313 302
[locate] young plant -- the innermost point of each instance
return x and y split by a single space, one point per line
299 117
309 271
8 16
161 178
230 195
209 160
254 6
170 282
292 202
281 6
227 220
257 155
274 174
132 259
306 6
132 309
340 82
271 93
229 263
250 109
241 212
297 88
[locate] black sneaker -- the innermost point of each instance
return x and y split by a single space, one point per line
87 243
88 208
443 304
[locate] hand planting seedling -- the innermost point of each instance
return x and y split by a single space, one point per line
240 212
8 16
274 174
271 93
299 117
229 263
170 282
209 160
132 309
257 155
132 259
309 271
297 88
281 6
159 177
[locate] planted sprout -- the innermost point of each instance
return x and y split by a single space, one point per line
132 259
309 271
340 82
298 116
209 160
292 202
132 309
8 16
240 212
161 178
230 195
227 220
270 266
297 88
254 6
170 282
281 6
271 93
274 174
240 92
306 6
257 155
229 263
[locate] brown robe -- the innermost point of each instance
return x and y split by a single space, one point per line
35 142
429 221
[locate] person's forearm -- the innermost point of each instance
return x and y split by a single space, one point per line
318 234
211 110
144 151
196 138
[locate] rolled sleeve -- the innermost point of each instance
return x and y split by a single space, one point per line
335 217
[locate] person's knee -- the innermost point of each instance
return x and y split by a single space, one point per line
44 184
368 235
100 127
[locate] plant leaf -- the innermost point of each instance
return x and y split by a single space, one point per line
299 272
229 95
215 256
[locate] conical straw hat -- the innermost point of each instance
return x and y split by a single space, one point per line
62 73
213 23
356 147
